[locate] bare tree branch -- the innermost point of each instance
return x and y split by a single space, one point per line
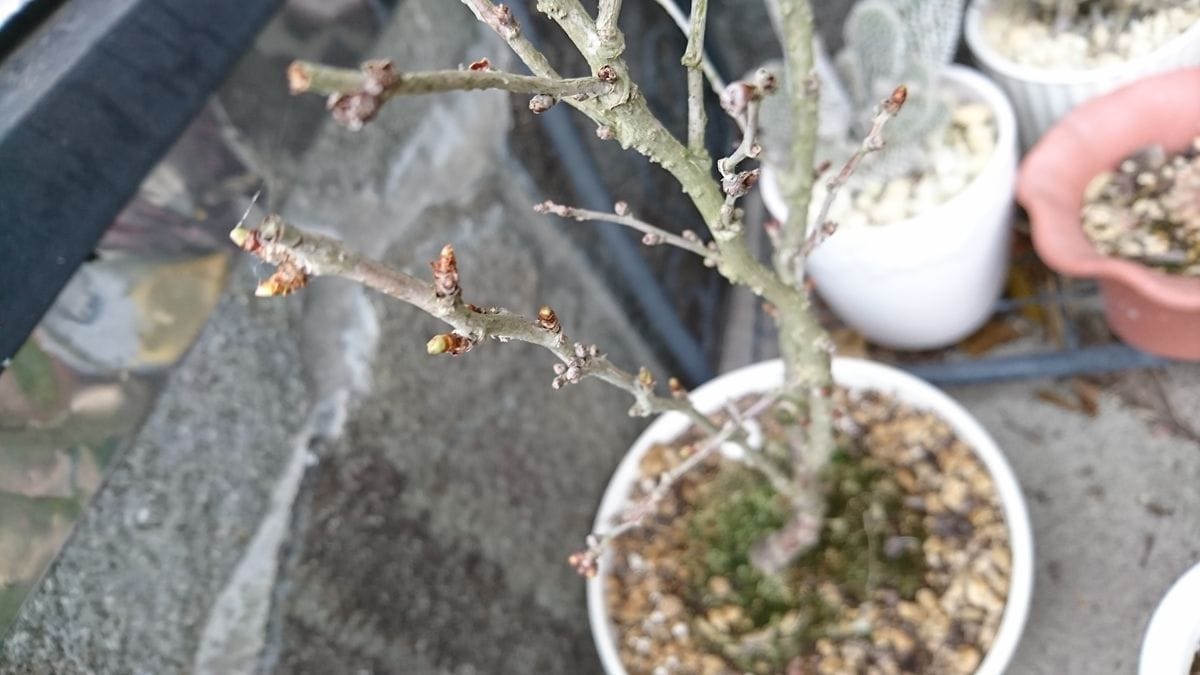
710 71
606 19
586 562
300 255
500 19
796 183
653 235
874 141
305 76
693 58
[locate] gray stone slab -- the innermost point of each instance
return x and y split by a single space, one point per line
442 519
131 588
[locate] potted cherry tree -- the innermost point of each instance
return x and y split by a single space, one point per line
805 513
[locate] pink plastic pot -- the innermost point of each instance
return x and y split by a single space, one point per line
1156 312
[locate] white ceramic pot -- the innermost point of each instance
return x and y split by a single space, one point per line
1042 96
853 374
1174 632
931 280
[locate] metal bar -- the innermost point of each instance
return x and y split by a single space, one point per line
1080 361
88 104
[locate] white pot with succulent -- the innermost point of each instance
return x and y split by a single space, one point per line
859 515
923 231
1051 55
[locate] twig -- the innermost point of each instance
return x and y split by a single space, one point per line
874 141
579 26
305 76
796 28
653 235
715 82
587 562
300 255
742 101
606 19
693 58
748 148
500 19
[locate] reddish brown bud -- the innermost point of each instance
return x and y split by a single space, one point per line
541 103
607 74
481 64
247 240
897 99
353 110
445 274
287 279
676 388
504 16
821 168
557 209
449 343
739 184
584 564
735 98
765 80
298 77
548 320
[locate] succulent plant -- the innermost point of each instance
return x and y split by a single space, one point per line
887 43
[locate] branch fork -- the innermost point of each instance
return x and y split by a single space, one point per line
619 110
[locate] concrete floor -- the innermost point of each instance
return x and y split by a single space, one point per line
1114 504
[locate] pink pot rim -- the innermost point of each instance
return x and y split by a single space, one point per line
1095 137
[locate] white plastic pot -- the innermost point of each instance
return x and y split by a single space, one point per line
931 280
854 374
1042 96
1174 632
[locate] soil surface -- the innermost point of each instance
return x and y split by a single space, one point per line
1148 210
910 575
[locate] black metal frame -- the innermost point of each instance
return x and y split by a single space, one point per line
89 102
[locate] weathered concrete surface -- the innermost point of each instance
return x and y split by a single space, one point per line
1115 511
131 589
462 483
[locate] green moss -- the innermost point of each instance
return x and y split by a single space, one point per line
11 597
34 372
739 508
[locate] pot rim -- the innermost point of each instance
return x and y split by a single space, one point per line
1053 208
984 91
1173 635
858 374
992 58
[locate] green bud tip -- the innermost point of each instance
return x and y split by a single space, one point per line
239 235
438 344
